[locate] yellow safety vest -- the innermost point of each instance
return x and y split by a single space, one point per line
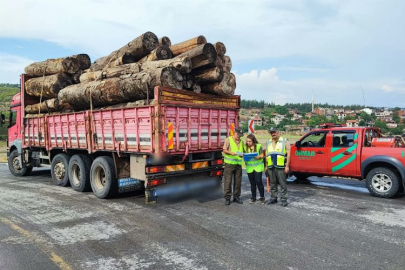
276 155
236 160
255 164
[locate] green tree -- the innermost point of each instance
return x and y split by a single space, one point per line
381 125
395 117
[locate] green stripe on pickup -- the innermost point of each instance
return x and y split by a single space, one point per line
344 163
337 157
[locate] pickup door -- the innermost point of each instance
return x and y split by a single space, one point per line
344 153
313 154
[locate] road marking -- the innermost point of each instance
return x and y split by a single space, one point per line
55 258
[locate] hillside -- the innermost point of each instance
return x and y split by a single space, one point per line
7 91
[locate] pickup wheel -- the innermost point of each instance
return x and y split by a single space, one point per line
15 166
59 170
79 172
382 182
103 179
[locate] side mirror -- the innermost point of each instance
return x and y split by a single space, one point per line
298 144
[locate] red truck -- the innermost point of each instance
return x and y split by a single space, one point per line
358 152
111 151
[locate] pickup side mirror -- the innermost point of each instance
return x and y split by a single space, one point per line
298 144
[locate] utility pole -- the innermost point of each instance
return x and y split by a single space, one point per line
313 104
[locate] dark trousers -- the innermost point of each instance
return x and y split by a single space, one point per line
277 177
235 171
255 179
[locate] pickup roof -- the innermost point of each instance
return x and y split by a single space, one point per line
358 152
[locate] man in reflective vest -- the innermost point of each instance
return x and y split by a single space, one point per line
278 165
233 152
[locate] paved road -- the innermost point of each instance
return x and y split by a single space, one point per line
328 225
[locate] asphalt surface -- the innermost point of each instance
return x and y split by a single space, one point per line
329 224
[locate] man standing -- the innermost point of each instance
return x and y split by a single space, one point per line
233 152
278 165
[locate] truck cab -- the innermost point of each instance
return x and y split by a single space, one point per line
355 152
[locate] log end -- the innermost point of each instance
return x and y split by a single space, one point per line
201 40
165 41
210 52
150 41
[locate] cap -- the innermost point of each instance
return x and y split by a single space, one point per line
273 129
239 131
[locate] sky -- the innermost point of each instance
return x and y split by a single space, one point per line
340 51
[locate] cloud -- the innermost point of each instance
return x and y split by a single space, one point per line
11 67
387 88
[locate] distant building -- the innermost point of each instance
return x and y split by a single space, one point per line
257 121
277 119
392 125
352 123
367 110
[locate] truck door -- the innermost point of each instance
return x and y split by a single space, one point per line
312 155
343 154
13 130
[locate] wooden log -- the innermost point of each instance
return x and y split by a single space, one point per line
160 53
188 81
53 66
182 64
196 88
201 55
84 60
167 76
220 48
47 106
226 87
187 45
139 48
127 58
107 92
227 66
165 41
48 86
209 75
110 72
76 76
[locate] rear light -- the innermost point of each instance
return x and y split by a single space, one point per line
216 173
217 162
156 182
168 168
155 169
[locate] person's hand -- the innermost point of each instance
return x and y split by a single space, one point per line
233 153
287 169
258 157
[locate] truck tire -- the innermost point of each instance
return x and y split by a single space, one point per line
15 167
382 182
103 179
59 170
79 172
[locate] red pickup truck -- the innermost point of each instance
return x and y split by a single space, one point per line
358 152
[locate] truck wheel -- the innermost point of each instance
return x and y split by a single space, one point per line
103 179
79 172
15 166
59 170
382 182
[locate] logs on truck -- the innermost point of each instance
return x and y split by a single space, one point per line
129 74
